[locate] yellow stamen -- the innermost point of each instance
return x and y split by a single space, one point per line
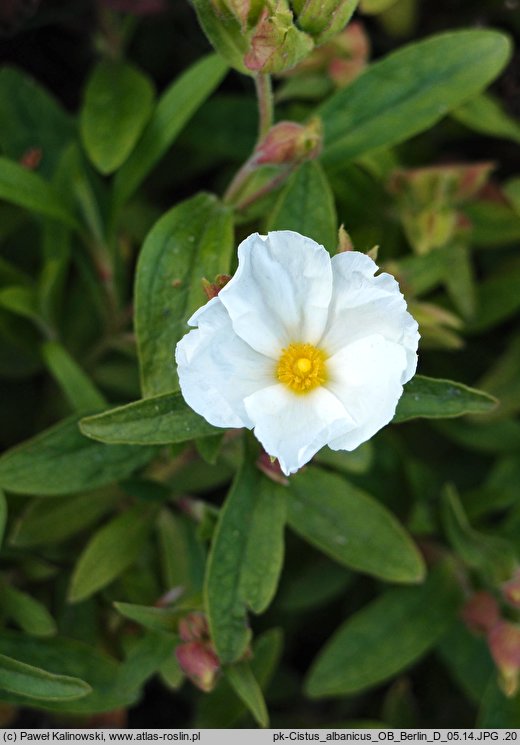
301 367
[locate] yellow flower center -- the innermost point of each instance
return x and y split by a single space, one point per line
301 367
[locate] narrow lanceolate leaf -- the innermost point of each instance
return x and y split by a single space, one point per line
60 657
77 386
492 556
192 241
351 527
61 460
34 683
408 91
152 618
110 551
245 560
485 115
435 398
118 103
159 420
306 205
32 121
47 522
27 613
26 189
385 637
245 685
175 108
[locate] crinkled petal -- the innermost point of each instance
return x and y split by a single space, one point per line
281 291
294 427
366 377
363 304
218 370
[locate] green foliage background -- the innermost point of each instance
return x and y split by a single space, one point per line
333 600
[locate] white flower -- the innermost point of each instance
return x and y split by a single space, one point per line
307 350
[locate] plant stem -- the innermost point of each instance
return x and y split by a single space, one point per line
264 92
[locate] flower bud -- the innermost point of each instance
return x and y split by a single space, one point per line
288 142
480 613
504 645
270 36
322 19
199 663
193 627
276 43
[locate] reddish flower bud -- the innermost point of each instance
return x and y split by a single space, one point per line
199 663
193 627
504 645
288 142
481 613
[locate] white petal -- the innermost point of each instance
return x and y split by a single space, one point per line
280 292
366 377
363 304
294 427
217 369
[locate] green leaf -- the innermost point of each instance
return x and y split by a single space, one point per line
498 300
20 300
222 708
408 91
155 619
435 398
484 114
467 658
497 711
492 556
29 614
191 241
77 386
245 559
159 420
512 191
26 189
33 683
493 224
60 657
351 527
31 118
49 522
144 659
357 461
460 280
61 460
182 555
111 550
176 106
385 637
247 689
306 205
117 105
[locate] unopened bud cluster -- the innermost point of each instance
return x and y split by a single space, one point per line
270 36
482 614
196 655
